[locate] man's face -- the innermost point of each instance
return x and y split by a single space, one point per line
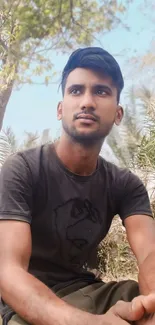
89 107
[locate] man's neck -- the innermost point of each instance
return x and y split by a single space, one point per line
77 158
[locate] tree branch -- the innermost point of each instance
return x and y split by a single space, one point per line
2 43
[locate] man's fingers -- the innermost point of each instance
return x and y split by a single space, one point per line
135 310
148 303
128 311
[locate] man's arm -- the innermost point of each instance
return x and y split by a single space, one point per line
135 211
29 297
141 236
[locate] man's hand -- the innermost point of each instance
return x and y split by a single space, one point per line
147 320
123 313
148 303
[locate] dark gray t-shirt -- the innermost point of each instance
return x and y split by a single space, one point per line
69 214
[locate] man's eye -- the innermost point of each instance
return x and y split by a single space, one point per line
75 92
101 92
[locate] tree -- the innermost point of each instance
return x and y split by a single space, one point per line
146 152
125 141
31 29
134 144
9 143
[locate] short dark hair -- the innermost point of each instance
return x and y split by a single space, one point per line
96 59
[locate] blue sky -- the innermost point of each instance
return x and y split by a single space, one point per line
33 107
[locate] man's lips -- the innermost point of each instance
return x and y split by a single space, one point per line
86 117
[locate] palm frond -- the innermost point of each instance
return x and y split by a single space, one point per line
7 144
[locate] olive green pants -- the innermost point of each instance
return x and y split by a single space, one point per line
95 298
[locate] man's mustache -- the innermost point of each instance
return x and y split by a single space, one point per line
94 116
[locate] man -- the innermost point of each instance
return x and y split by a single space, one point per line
57 203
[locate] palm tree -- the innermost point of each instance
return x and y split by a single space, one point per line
134 144
125 141
146 153
9 143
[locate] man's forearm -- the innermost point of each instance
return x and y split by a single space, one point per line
147 274
36 303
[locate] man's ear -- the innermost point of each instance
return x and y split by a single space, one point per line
59 111
119 115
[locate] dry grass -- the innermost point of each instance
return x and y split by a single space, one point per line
115 258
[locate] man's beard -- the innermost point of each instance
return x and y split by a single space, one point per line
86 139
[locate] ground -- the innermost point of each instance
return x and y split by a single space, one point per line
115 258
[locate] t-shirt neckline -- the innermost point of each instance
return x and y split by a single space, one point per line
69 172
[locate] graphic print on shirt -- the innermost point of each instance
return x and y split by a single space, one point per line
78 225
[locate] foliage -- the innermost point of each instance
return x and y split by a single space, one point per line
134 144
125 141
146 153
10 145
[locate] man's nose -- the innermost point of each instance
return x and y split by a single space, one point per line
88 102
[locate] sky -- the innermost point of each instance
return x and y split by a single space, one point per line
33 107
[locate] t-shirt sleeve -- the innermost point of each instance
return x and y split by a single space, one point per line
16 190
134 198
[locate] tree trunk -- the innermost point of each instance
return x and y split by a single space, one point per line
9 67
4 99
